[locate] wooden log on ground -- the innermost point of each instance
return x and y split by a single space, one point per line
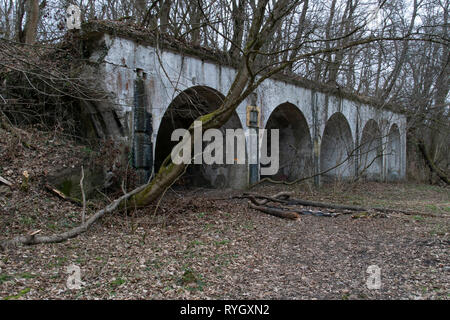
294 201
276 212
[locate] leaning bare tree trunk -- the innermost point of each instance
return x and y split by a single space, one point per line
170 172
430 163
242 86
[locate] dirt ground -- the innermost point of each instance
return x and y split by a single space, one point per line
200 244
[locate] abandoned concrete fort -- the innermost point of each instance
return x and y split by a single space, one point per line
157 86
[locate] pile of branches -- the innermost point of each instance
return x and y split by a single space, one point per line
286 207
282 205
43 84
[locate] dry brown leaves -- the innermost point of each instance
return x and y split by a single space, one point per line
198 247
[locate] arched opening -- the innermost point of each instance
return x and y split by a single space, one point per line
295 147
393 153
184 109
336 150
371 162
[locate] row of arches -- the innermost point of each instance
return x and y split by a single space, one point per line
338 152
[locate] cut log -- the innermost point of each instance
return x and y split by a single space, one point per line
276 212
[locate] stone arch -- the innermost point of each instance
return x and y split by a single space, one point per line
295 146
182 111
393 153
371 162
336 149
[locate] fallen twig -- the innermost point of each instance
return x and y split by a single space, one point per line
83 213
61 195
4 181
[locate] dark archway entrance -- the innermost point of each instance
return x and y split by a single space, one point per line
371 162
393 153
184 109
336 150
295 153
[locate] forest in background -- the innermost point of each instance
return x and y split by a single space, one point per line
412 73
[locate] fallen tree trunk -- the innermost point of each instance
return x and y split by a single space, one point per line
33 238
276 212
313 213
294 201
284 211
279 197
325 205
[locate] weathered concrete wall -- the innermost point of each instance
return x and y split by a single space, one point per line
167 73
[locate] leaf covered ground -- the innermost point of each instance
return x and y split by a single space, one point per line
202 244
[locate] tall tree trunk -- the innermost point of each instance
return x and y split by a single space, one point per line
390 82
164 15
20 13
440 97
328 36
195 22
345 28
300 30
238 27
33 13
